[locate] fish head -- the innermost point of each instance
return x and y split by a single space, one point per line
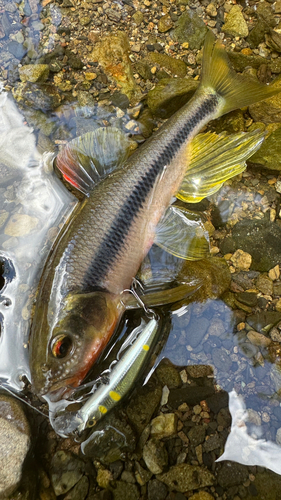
62 354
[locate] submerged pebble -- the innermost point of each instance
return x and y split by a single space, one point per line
14 444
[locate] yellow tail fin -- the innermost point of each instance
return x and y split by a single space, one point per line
235 90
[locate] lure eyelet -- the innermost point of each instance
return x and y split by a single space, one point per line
62 346
92 422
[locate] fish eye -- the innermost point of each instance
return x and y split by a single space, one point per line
62 346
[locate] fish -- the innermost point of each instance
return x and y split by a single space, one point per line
81 298
115 383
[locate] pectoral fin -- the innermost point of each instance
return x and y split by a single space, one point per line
214 159
89 158
182 233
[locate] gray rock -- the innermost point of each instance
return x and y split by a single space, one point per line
217 401
261 239
14 444
190 28
231 474
221 360
191 395
214 442
143 405
197 435
17 49
196 330
184 477
261 320
66 471
79 491
155 456
156 490
38 96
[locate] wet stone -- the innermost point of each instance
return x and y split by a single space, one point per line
196 435
164 425
112 52
202 495
198 371
156 490
235 24
264 284
34 72
168 375
17 49
254 237
268 156
169 95
176 66
66 471
41 96
79 491
275 334
124 491
191 395
155 456
248 298
212 443
261 320
232 473
196 331
258 339
190 28
73 60
165 23
20 225
14 444
143 405
184 477
221 360
142 475
217 401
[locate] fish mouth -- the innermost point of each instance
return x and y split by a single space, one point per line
60 390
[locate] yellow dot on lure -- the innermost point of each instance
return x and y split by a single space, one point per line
102 409
145 347
115 396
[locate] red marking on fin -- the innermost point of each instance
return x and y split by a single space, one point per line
71 181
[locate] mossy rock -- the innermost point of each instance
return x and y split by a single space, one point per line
169 95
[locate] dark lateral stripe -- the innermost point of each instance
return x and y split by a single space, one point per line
115 238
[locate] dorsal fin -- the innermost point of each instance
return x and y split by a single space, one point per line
89 158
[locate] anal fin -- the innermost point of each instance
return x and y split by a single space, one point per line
182 233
